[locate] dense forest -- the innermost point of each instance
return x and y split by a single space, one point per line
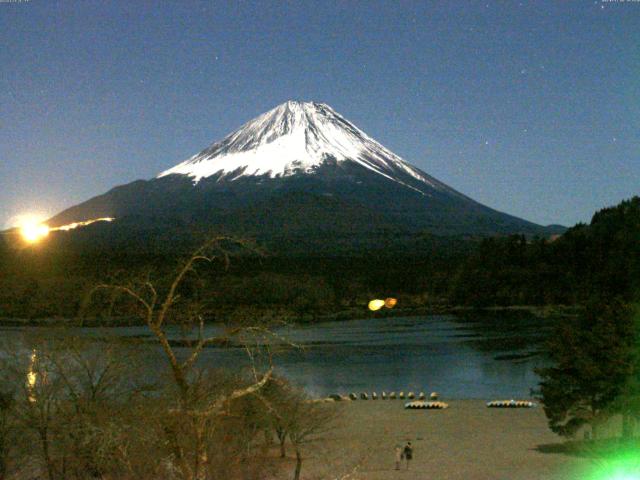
426 274
603 257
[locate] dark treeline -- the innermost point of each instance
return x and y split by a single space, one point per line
429 273
46 282
603 257
594 374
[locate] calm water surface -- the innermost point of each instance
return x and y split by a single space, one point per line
486 357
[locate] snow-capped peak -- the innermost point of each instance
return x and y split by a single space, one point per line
295 137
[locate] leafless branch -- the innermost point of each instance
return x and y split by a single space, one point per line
218 405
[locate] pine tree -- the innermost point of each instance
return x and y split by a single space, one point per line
593 362
628 403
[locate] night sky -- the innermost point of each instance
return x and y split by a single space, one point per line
532 108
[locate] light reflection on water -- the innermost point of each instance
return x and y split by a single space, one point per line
431 353
32 376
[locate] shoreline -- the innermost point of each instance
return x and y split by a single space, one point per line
542 312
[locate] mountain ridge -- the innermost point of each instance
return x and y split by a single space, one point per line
244 184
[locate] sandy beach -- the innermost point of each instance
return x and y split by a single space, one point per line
467 441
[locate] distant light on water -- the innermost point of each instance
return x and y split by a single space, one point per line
32 377
377 304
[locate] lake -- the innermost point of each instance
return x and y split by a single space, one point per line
491 356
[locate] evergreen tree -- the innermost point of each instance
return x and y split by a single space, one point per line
593 360
628 403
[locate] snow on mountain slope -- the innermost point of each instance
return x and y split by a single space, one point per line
299 170
298 137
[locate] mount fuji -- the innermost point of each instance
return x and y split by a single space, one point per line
295 138
300 173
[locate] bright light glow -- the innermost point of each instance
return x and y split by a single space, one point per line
625 476
74 225
376 305
32 229
621 465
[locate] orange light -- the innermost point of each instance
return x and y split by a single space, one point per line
390 302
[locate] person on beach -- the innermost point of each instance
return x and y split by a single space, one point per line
399 456
408 453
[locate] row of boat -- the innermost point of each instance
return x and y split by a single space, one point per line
385 396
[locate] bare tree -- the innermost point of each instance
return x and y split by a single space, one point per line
295 416
81 401
277 399
38 399
70 399
7 431
198 404
101 380
308 422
